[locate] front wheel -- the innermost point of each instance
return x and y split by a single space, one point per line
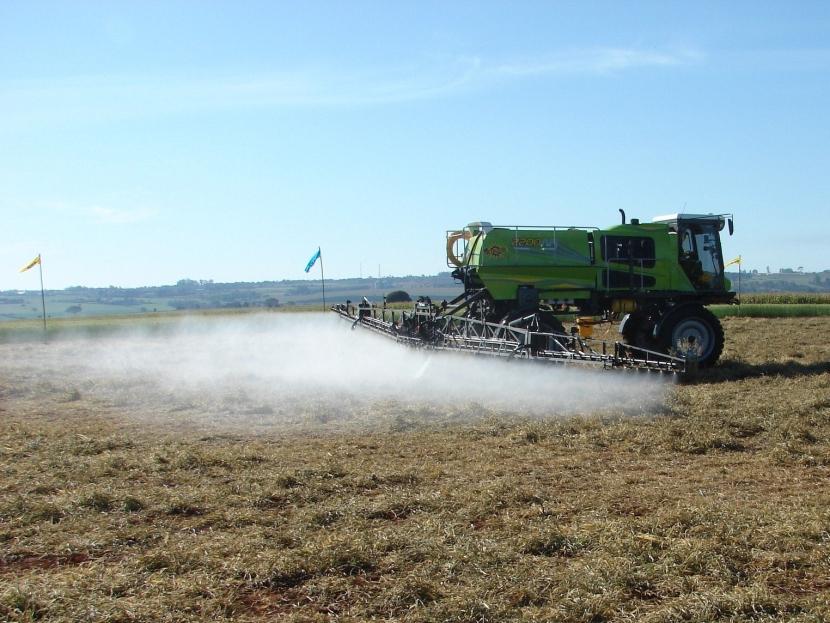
638 331
693 332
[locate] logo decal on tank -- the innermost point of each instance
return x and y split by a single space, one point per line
495 251
527 243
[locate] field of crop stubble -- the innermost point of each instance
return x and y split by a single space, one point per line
215 474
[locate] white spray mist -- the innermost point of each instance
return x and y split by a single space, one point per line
280 369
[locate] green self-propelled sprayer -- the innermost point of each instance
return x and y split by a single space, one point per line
654 278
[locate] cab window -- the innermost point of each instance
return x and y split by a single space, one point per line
628 249
700 257
687 243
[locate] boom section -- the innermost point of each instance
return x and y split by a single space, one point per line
428 328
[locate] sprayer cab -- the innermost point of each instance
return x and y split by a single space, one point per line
700 254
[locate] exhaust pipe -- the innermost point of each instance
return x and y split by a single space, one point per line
622 213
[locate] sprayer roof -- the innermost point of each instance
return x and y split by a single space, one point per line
671 218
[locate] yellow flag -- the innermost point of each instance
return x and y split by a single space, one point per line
737 261
34 262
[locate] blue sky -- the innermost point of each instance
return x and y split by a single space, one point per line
142 143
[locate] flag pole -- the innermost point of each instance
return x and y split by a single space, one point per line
739 278
322 279
42 294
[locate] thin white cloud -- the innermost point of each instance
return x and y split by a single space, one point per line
99 214
117 216
598 61
99 98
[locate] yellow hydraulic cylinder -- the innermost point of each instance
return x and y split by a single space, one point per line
623 306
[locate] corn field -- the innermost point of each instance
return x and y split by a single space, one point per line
787 298
771 310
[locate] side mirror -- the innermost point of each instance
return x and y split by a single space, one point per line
731 226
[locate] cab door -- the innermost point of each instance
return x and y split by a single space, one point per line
700 256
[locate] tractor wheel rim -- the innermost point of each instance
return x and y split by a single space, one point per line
692 338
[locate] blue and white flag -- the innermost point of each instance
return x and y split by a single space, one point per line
313 260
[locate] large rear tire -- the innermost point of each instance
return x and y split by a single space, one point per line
693 332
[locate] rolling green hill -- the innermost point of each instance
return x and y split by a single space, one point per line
192 294
205 294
